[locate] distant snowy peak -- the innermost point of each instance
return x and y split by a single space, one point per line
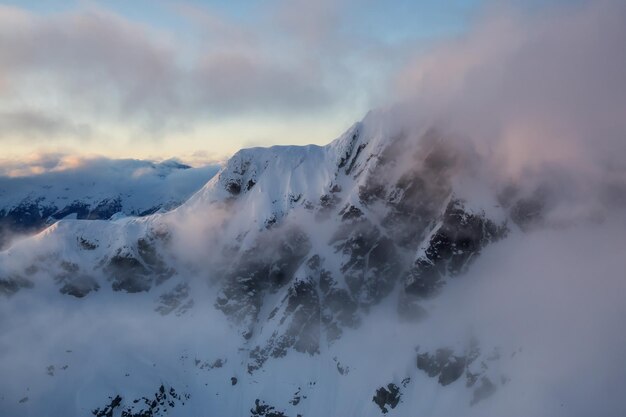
99 189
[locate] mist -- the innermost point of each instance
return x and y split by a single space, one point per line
541 98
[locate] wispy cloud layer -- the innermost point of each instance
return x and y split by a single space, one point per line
66 75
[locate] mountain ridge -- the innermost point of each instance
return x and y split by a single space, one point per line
297 253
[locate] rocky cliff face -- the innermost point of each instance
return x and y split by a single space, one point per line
340 230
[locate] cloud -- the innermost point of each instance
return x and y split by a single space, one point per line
553 295
314 23
238 82
93 67
92 61
77 165
35 125
541 97
38 163
561 73
131 83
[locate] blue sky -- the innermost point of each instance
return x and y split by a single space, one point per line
200 79
391 20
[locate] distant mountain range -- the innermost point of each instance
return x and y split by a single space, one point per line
97 190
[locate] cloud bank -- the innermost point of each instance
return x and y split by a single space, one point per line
541 97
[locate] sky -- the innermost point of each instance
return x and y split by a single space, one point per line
198 80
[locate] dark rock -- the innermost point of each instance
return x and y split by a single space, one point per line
452 370
444 364
105 209
342 369
74 282
300 321
175 299
296 398
415 200
12 284
387 397
128 274
458 240
328 202
107 411
157 405
151 210
271 221
350 213
147 250
269 266
234 187
370 265
85 244
372 191
338 307
261 409
30 216
358 151
449 368
137 269
80 286
218 363
77 207
314 262
345 158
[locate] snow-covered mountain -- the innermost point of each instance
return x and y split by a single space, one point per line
96 189
375 275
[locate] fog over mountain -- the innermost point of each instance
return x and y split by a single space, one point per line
459 252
